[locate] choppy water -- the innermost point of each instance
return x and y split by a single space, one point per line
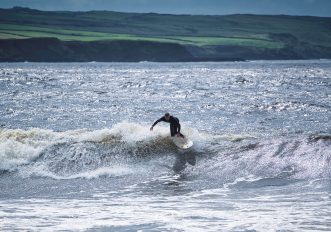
76 152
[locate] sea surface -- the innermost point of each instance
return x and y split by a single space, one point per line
76 152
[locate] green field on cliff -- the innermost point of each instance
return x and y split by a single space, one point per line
199 30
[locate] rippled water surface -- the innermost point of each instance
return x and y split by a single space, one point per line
76 152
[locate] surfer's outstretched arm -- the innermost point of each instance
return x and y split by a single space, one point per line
156 122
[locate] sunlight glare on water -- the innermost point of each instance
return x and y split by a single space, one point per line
76 152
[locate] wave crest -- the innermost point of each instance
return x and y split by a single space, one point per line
120 150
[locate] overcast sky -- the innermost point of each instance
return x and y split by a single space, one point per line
290 7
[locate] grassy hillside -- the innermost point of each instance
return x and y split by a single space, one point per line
248 30
257 32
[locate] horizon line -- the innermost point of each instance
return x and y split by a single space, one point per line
158 13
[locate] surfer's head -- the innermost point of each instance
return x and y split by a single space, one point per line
167 116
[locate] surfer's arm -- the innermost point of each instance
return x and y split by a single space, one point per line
156 122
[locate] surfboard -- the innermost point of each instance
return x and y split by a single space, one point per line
183 143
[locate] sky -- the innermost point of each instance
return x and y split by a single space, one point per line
209 7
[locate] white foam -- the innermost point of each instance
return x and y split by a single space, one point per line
18 147
266 158
13 154
133 132
113 171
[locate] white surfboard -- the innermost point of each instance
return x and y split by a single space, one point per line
183 143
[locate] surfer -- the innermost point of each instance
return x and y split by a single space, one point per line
174 124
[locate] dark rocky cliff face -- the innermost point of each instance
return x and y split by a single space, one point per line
54 50
293 49
43 49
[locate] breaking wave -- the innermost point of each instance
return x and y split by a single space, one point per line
130 148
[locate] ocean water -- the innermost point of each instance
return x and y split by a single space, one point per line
76 152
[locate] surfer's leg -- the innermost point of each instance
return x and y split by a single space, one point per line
173 130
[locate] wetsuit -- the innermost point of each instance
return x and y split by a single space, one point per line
174 124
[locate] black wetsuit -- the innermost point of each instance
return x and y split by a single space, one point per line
174 124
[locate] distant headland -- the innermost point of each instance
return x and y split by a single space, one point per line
65 36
